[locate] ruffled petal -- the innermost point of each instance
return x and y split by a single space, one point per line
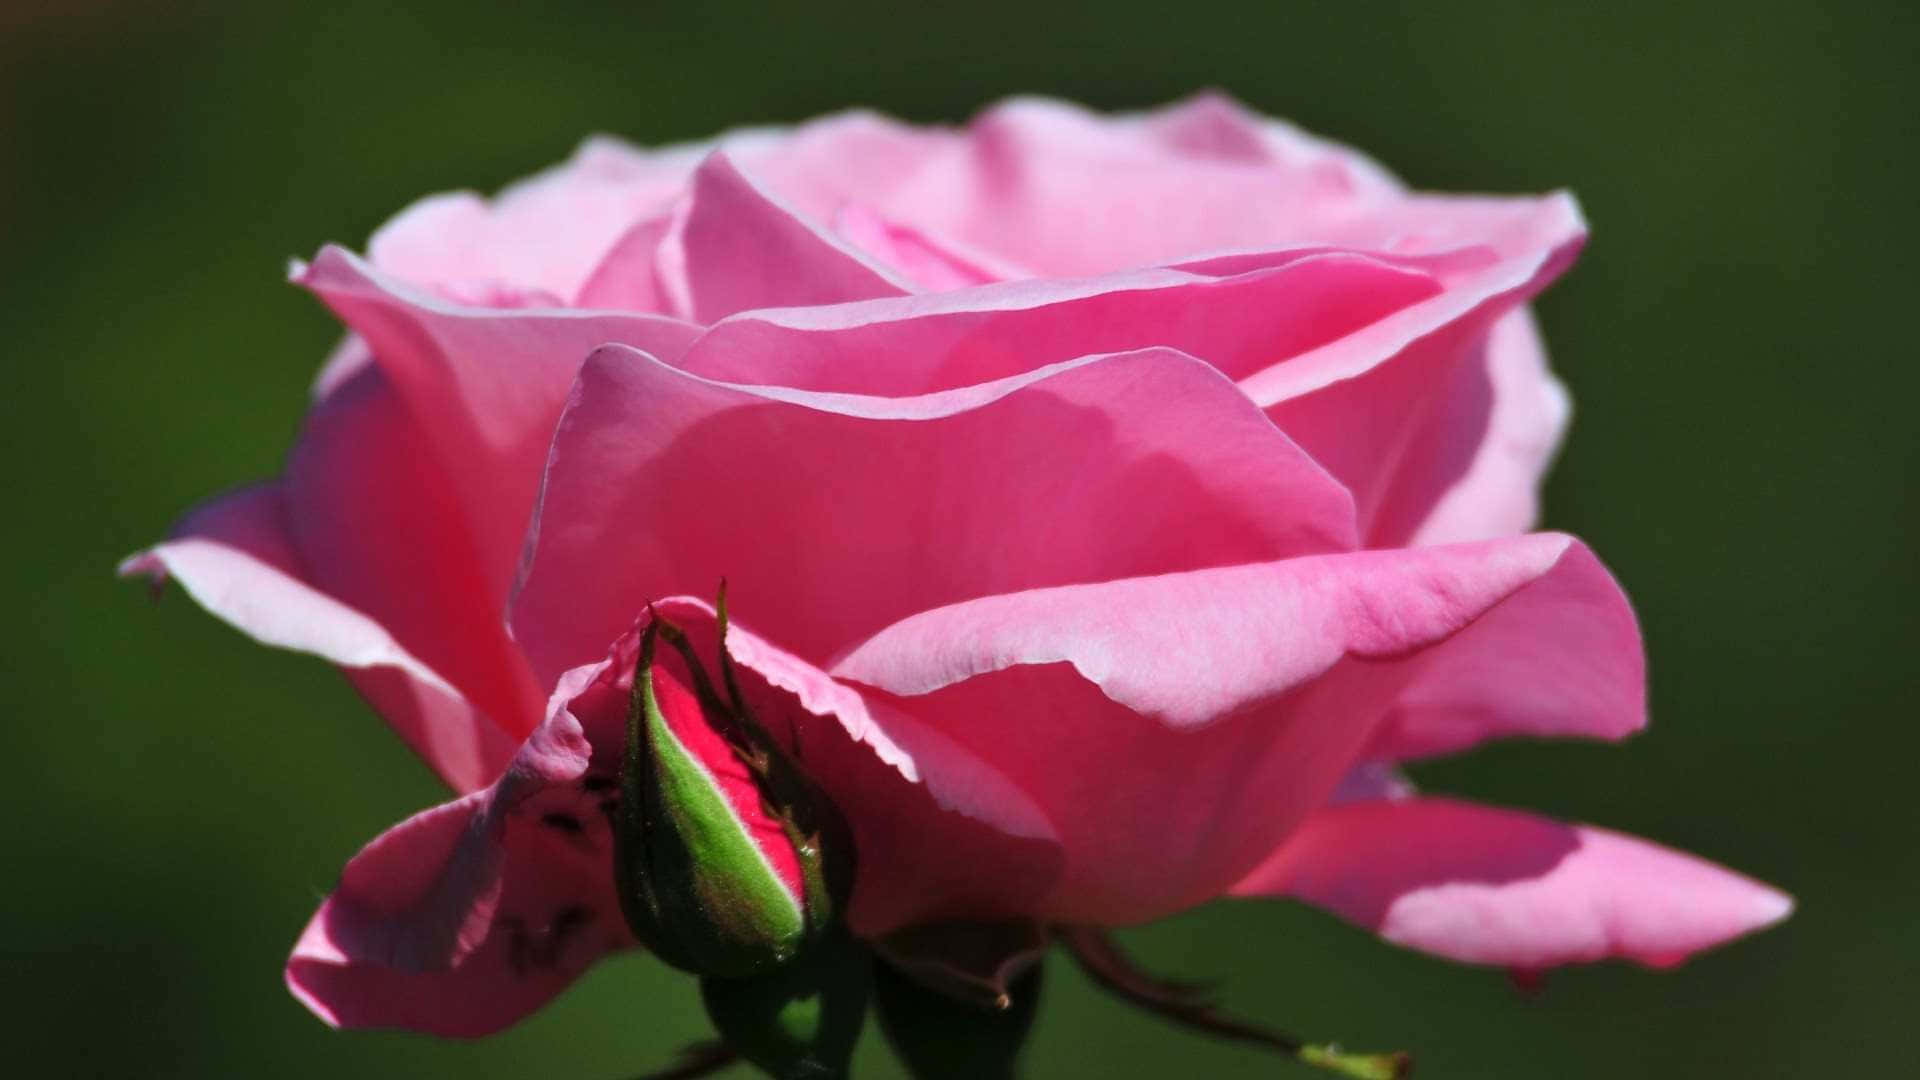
1489 886
461 920
1233 701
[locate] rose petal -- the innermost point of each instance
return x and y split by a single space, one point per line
544 233
460 921
835 515
485 385
234 558
1498 493
1240 323
939 833
363 468
1490 886
739 248
1173 728
1400 409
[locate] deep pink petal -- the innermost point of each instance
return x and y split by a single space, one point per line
1174 728
1489 886
834 515
740 249
485 385
233 556
363 468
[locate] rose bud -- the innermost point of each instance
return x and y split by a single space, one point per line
719 838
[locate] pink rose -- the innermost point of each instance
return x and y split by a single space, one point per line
1109 503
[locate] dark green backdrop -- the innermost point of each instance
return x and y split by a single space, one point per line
1738 339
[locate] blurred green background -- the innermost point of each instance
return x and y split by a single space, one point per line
1738 339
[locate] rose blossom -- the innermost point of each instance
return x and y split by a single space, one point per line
1108 504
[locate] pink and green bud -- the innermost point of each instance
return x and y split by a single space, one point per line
719 838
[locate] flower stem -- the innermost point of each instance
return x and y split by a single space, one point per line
1190 1005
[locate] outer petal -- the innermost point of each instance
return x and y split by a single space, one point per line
738 248
465 918
1488 886
458 921
834 515
1174 728
485 385
1406 410
234 558
369 508
1563 658
1499 493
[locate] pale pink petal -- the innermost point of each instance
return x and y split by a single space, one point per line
485 385
1489 886
546 232
345 361
1213 124
742 249
834 515
1065 191
233 556
808 166
1174 728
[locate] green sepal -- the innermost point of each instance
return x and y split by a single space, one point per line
799 1021
1389 1066
693 884
939 1036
